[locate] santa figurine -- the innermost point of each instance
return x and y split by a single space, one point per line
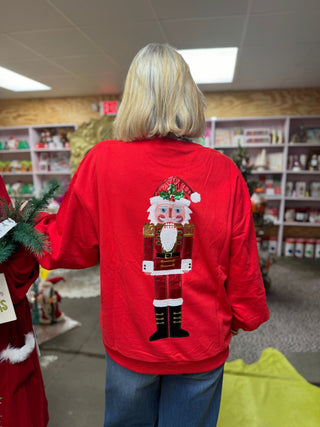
49 299
22 396
168 242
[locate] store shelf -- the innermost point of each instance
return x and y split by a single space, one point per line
51 150
276 142
303 199
53 173
267 172
301 224
303 172
22 150
273 197
47 143
16 174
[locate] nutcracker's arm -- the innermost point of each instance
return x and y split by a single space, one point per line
148 237
186 262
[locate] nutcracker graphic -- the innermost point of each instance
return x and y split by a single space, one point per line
168 239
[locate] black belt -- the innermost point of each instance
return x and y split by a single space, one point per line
168 255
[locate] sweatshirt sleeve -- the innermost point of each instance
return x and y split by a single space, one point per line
72 232
245 286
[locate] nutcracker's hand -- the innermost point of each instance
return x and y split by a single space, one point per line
186 265
147 267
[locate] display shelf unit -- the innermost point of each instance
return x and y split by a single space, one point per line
47 156
282 150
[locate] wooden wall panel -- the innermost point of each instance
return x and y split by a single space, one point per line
220 104
50 110
292 102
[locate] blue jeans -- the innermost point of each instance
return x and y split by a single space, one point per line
186 400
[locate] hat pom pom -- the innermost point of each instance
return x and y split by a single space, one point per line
195 197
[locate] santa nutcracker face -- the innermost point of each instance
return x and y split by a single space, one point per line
170 211
167 252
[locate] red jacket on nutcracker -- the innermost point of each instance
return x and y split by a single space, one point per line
22 396
170 223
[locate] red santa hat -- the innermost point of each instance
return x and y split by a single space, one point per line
174 189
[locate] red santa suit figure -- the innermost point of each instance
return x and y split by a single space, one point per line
168 252
49 300
22 396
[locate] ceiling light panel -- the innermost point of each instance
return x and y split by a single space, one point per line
214 65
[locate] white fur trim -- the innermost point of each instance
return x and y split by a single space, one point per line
157 199
167 272
168 302
18 355
195 197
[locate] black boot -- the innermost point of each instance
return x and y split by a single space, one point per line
175 323
161 314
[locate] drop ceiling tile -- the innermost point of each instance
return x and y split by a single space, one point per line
88 65
128 41
274 6
59 42
12 51
284 29
265 68
22 15
218 32
191 9
83 87
34 69
103 12
304 77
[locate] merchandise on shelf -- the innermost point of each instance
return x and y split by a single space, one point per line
53 139
54 162
20 155
272 246
284 153
299 248
16 166
304 162
20 189
272 214
272 185
303 189
302 247
257 136
14 144
303 214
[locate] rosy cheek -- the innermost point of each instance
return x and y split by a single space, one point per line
179 216
160 217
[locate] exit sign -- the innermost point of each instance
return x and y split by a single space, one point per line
109 108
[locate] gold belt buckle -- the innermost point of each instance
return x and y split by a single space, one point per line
168 255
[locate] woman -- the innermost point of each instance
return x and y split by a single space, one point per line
170 223
23 401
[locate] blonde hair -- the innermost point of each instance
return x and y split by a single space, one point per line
160 97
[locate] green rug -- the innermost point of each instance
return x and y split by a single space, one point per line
268 393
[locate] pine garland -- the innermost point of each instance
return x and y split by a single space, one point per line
24 232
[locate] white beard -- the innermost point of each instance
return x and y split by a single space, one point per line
168 236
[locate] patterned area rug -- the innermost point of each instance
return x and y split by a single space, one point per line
293 302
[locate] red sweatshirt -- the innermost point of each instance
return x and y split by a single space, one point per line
170 223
